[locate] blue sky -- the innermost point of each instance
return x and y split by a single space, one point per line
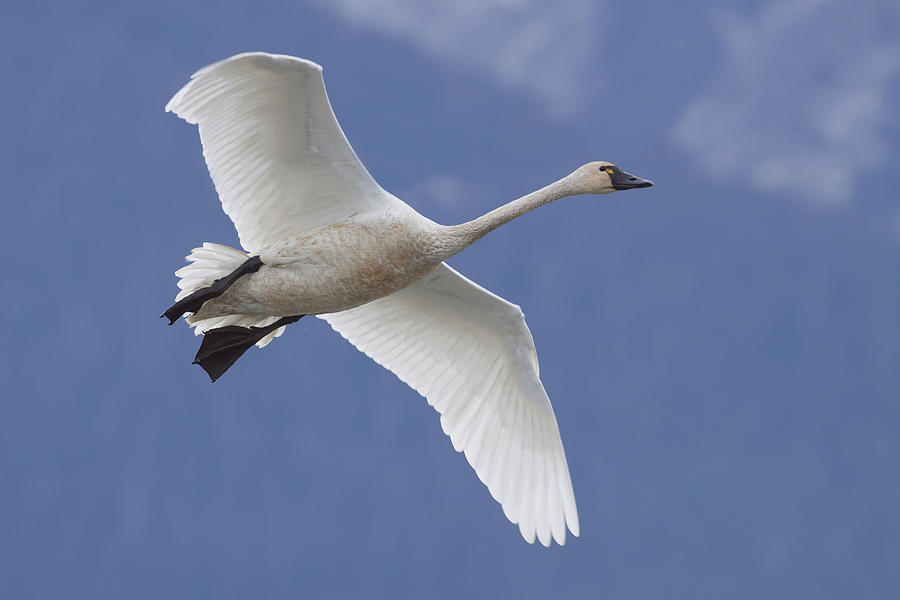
721 350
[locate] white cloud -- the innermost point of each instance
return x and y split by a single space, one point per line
802 102
543 48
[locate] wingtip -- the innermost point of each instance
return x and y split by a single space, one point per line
527 534
531 535
260 59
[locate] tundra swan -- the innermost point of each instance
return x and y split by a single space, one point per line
323 238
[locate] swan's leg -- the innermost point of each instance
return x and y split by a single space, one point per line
195 300
222 346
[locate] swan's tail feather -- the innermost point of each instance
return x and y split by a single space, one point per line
207 264
222 346
193 301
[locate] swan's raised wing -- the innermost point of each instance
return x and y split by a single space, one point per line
470 354
275 151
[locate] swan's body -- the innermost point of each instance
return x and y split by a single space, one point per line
332 268
334 244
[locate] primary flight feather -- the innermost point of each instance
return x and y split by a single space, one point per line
323 238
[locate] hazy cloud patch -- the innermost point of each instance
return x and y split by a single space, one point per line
444 192
807 118
543 48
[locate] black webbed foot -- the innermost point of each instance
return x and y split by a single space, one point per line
222 346
195 300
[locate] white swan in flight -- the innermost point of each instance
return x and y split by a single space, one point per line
323 238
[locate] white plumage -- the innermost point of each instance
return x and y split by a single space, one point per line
470 354
333 243
270 139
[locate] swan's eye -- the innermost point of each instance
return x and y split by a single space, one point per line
607 170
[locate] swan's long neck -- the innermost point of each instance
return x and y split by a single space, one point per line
459 237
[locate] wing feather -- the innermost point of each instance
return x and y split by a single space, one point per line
471 355
276 154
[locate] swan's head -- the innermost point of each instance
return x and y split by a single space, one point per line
601 177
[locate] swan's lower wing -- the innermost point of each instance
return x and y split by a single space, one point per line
275 151
470 354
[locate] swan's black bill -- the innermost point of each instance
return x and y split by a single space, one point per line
222 346
626 181
195 300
